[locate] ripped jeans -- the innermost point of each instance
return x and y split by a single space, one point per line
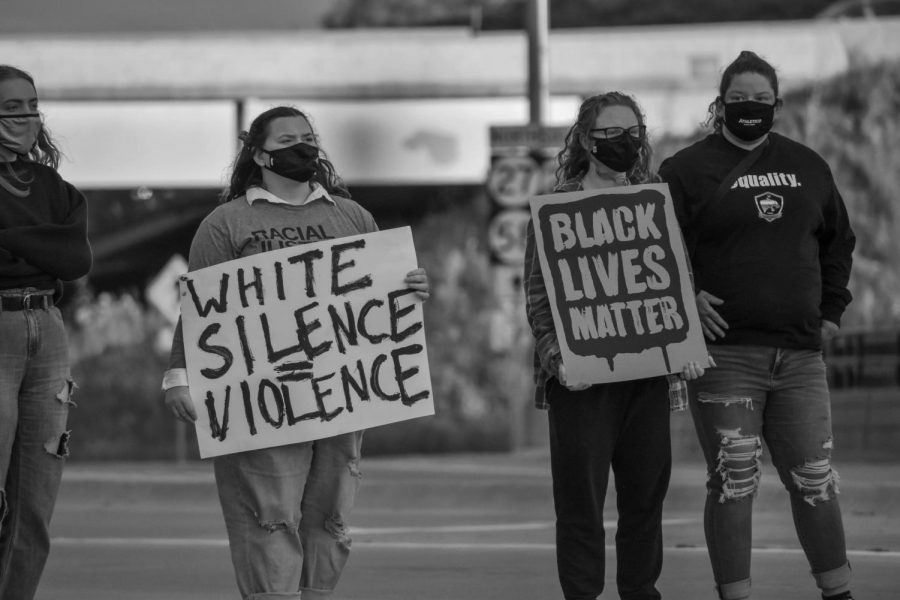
286 511
35 390
778 395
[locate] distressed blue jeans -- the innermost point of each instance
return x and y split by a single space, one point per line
286 511
779 396
35 390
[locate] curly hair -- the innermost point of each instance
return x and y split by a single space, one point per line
45 152
245 173
574 159
746 62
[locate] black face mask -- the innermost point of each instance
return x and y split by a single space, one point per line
619 154
298 162
749 120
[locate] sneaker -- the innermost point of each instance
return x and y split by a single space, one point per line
841 596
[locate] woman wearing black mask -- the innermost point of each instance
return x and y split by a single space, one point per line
771 249
285 508
623 426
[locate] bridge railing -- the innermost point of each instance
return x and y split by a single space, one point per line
864 379
864 359
863 370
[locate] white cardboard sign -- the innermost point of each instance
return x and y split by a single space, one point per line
305 342
618 281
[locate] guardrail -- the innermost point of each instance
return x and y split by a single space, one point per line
864 359
864 384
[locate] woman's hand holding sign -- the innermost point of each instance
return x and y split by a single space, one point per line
692 370
712 323
417 279
575 387
178 399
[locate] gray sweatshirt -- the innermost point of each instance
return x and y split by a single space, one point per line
237 229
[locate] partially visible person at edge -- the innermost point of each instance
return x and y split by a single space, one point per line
771 261
281 178
43 242
622 425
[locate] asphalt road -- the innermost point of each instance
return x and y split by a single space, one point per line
435 528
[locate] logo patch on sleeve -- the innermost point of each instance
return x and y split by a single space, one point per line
769 205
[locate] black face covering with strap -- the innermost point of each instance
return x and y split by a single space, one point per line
298 162
619 154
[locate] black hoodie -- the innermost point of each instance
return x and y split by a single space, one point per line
43 237
777 248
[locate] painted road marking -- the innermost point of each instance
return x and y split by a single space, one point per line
223 543
487 528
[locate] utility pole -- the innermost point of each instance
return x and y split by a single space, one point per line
521 157
538 21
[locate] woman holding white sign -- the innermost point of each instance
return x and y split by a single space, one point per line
285 507
771 249
623 426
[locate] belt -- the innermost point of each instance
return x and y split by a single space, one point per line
26 302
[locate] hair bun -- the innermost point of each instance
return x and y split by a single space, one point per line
244 136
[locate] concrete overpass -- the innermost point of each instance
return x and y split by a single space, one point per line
148 121
393 106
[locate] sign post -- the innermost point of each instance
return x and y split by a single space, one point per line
162 293
522 165
523 162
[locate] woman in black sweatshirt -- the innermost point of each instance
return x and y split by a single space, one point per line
43 241
771 249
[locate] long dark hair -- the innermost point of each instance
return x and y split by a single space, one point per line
574 159
45 152
245 173
746 62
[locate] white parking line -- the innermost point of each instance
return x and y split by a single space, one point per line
140 542
487 528
451 546
453 528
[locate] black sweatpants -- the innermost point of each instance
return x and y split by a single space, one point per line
625 426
